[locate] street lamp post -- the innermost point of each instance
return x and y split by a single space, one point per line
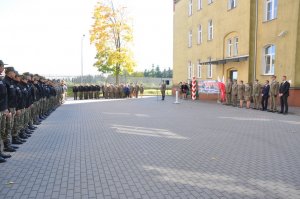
81 79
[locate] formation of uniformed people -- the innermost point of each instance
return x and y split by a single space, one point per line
107 91
25 100
261 95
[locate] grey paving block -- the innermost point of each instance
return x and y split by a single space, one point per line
151 149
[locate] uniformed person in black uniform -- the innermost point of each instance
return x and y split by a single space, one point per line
18 138
12 104
75 91
3 111
80 91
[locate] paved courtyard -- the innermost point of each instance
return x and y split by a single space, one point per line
147 148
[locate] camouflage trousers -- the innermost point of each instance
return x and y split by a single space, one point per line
273 105
97 95
86 95
2 129
32 118
91 95
18 123
234 100
256 101
80 95
228 98
9 125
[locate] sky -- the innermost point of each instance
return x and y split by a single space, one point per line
44 36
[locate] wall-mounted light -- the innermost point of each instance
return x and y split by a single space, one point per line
282 33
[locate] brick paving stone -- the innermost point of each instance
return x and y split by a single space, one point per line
146 148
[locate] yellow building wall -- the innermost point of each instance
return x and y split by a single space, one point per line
180 42
225 22
283 32
286 44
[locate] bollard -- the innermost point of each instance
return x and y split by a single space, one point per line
176 98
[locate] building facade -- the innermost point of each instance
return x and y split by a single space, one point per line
237 39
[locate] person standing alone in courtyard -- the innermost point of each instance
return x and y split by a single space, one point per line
163 88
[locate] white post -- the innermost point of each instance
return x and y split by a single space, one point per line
176 99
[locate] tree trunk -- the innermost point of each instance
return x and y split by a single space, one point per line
117 74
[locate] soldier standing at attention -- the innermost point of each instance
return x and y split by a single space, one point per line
3 112
163 88
75 91
256 94
228 88
80 91
274 89
97 92
86 92
12 104
141 90
137 90
247 95
241 92
234 93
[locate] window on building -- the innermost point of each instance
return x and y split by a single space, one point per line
190 7
199 34
229 48
236 46
210 30
199 4
271 9
231 4
210 1
209 69
199 68
190 38
269 60
190 70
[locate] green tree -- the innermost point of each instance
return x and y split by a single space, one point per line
158 72
112 37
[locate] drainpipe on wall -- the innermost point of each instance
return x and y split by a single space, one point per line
255 42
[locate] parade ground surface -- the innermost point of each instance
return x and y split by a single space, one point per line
148 148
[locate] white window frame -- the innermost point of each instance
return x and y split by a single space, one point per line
209 70
231 4
190 38
229 47
190 11
235 46
199 69
210 30
210 1
271 57
272 14
190 68
199 4
199 39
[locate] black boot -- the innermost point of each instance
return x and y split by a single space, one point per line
28 131
2 160
22 135
15 140
20 139
3 155
31 127
8 147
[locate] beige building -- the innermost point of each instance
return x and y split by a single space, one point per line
237 39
